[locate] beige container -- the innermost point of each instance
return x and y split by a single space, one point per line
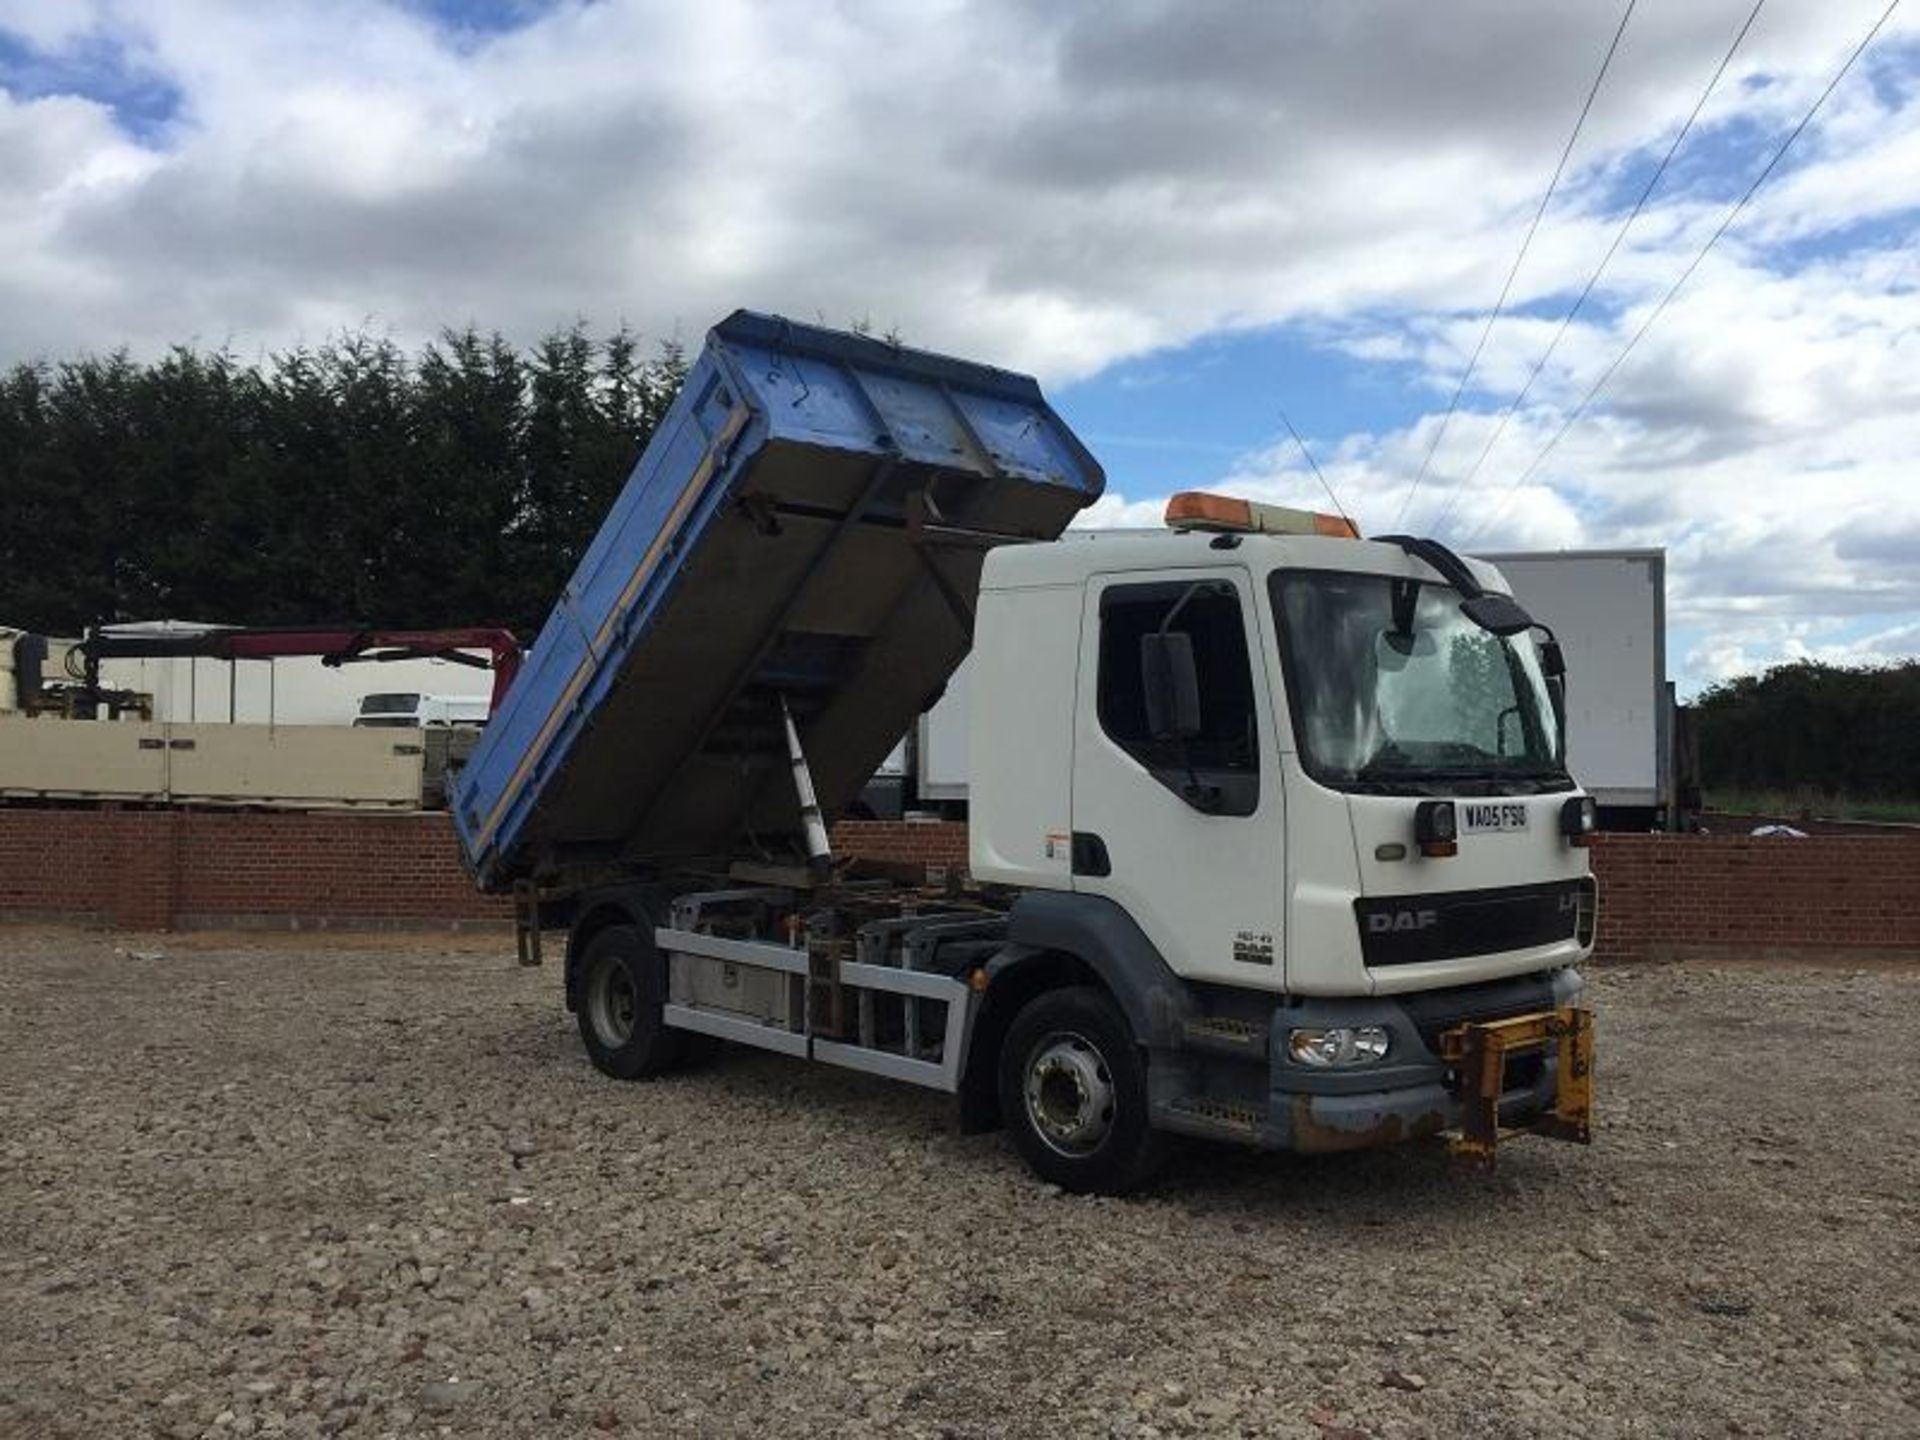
305 766
82 759
295 765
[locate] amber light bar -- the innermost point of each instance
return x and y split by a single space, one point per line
1197 510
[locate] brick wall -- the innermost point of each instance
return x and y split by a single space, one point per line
165 869
86 865
1671 896
1661 896
932 842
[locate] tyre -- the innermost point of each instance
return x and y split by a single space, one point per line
623 984
1073 1094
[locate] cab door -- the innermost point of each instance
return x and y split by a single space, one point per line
1185 834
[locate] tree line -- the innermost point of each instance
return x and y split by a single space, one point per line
357 482
353 482
1835 729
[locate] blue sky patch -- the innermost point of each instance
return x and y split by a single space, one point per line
1879 233
98 68
1181 417
479 20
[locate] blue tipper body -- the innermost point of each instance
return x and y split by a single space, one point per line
806 526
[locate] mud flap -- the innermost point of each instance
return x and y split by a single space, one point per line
526 922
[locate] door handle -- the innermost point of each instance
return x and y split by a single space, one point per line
1089 854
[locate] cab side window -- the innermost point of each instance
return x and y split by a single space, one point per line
1218 770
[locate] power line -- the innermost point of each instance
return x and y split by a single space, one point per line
1658 310
1525 244
1324 483
1566 321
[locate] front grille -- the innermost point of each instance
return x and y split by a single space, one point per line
1412 929
1433 1011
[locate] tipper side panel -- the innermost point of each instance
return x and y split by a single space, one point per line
806 525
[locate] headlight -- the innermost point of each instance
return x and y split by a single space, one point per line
1338 1046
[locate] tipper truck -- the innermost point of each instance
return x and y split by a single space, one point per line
1271 839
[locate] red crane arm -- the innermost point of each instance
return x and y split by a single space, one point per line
341 647
334 647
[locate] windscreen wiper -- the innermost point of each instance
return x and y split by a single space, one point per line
1397 782
1502 777
1391 753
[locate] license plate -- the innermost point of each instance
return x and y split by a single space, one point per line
1481 816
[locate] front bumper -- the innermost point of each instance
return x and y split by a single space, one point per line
1427 1086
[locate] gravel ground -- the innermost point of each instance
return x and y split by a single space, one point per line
364 1187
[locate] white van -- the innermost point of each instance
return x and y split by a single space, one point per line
410 709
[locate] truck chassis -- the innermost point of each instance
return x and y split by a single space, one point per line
889 998
933 988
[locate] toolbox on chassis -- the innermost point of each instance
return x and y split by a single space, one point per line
1271 840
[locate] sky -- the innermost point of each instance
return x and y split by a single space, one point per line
1194 221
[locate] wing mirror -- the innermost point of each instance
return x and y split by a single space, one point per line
1170 684
1553 666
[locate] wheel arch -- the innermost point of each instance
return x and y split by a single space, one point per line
641 906
1057 940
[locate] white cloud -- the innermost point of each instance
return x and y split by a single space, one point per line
1053 189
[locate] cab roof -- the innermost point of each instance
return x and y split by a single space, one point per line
1084 553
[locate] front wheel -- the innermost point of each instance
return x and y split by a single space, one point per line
622 987
1073 1093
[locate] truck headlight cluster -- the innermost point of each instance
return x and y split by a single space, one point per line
1338 1046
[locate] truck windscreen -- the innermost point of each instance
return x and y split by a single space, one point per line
1391 684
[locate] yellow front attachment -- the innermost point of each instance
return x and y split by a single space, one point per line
1481 1051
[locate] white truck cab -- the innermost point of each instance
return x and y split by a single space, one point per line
1273 848
1354 793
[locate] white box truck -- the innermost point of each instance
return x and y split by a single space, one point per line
1609 610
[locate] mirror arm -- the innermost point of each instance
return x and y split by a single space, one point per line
1556 677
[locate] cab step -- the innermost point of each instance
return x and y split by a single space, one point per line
1208 1119
1222 1035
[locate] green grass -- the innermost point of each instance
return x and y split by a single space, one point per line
1814 804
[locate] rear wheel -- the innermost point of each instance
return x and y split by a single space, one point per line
1073 1094
622 989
